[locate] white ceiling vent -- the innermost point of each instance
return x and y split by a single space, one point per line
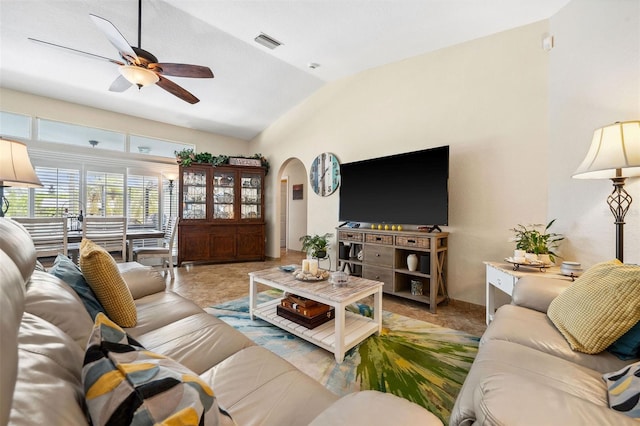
267 41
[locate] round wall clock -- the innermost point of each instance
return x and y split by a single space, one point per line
324 175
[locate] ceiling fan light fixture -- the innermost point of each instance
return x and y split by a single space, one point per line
139 76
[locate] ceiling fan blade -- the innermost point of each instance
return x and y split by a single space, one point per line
176 90
80 52
120 84
115 38
182 70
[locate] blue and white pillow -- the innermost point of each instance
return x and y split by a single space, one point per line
125 384
623 387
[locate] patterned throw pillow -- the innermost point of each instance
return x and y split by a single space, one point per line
623 387
125 384
67 271
101 272
599 307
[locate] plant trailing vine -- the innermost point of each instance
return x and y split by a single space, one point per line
187 157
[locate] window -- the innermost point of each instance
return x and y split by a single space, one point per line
105 194
18 199
96 178
143 201
60 192
16 125
72 134
158 147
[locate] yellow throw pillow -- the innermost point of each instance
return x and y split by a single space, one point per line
599 307
101 272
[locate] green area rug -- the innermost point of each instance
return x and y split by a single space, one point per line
413 359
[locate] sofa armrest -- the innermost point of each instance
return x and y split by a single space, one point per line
374 408
508 399
536 293
141 280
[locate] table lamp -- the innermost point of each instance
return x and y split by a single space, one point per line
614 154
15 169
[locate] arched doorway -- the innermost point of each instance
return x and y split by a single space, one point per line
292 205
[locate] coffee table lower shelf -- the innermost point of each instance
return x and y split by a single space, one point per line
357 327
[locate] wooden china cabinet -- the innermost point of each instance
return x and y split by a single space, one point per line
221 214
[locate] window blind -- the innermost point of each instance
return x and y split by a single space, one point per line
105 194
18 201
143 201
60 192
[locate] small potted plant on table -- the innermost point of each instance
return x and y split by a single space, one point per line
316 245
537 242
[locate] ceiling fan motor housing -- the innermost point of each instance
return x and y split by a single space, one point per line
145 58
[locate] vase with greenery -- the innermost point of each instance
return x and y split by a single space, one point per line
536 239
316 245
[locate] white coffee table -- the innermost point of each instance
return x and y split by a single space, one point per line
336 336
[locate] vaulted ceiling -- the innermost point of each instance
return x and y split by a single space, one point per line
253 85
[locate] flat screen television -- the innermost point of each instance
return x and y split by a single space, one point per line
410 188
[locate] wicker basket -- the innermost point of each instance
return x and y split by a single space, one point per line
350 236
379 239
420 242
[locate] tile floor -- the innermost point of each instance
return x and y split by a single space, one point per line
208 285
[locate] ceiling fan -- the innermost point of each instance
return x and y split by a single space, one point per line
139 67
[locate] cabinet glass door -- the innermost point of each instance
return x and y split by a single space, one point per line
223 195
251 196
194 193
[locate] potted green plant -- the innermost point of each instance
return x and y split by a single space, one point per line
316 245
537 240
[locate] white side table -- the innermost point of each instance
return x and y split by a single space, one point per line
502 276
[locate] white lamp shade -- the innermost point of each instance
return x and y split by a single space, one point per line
15 165
614 152
139 76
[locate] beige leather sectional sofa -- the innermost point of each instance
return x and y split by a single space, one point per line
45 328
526 373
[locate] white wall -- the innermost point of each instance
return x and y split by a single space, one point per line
487 99
594 80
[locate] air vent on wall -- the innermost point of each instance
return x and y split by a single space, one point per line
267 41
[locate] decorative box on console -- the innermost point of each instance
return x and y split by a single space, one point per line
308 322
